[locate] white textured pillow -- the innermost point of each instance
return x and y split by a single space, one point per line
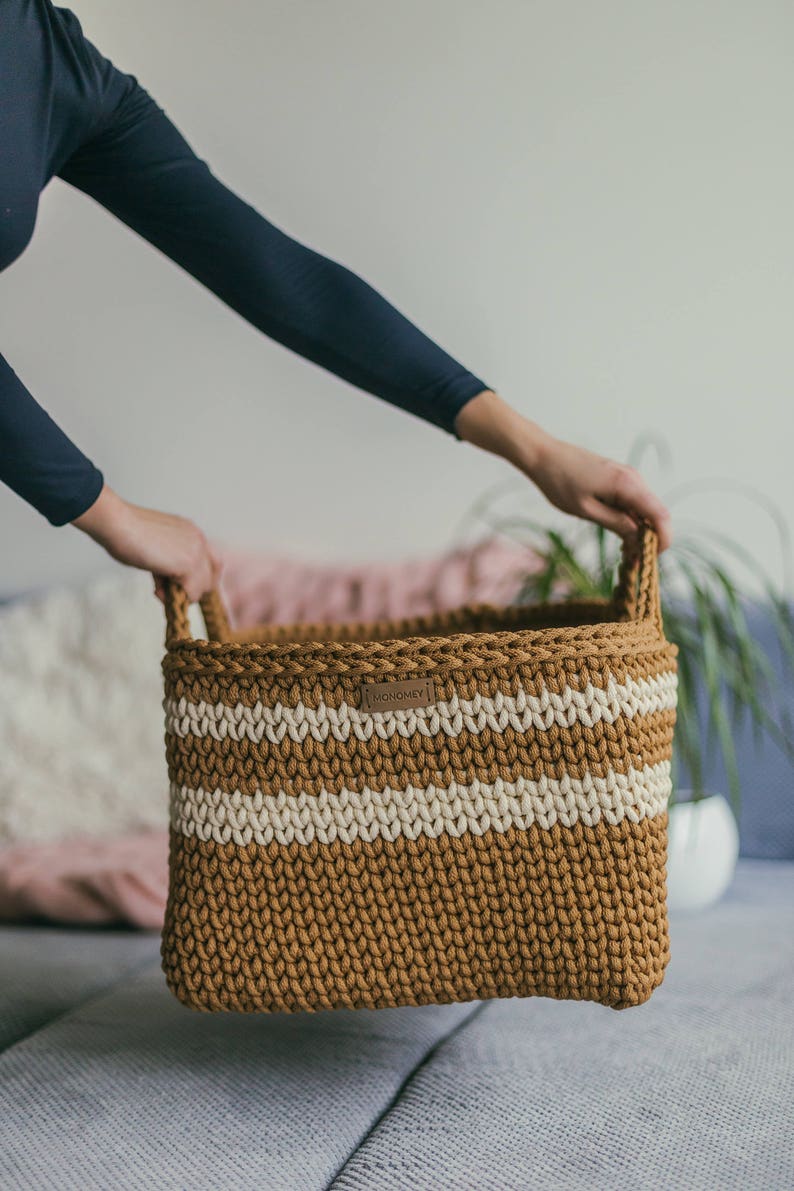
81 719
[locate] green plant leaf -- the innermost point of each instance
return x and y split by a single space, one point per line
747 671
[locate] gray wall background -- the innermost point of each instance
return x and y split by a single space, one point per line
589 205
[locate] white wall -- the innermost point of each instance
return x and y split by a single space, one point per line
589 205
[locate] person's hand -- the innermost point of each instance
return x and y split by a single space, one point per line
167 545
573 479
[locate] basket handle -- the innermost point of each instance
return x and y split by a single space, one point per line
636 595
213 610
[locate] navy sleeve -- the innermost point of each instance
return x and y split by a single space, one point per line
100 131
140 167
37 460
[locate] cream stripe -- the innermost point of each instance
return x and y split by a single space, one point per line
521 712
261 818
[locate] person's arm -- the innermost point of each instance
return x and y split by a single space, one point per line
142 169
44 467
572 478
139 166
37 459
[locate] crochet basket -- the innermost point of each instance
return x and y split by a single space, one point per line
454 807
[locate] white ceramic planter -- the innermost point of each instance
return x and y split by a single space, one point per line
702 850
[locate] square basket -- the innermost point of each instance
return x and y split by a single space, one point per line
453 807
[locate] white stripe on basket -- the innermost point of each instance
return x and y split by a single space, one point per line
261 818
522 712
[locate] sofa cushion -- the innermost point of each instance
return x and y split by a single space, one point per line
693 1089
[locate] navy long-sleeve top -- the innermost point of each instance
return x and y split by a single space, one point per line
67 111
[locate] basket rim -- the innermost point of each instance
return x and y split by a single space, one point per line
417 652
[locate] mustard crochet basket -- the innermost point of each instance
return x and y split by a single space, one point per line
452 807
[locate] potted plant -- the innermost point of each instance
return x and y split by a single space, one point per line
724 673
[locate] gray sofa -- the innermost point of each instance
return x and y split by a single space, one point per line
107 1082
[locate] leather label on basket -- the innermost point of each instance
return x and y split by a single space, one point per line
404 692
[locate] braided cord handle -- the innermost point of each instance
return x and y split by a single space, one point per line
216 619
636 595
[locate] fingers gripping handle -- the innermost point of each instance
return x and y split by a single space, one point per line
216 620
636 595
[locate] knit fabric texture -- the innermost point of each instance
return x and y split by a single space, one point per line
502 835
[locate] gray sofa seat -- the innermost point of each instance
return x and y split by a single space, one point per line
693 1090
44 972
132 1090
